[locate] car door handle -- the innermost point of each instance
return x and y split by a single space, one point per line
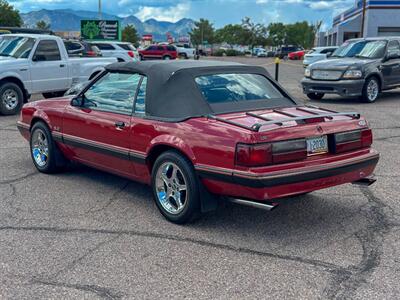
119 124
62 66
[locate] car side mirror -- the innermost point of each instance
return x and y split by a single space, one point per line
77 101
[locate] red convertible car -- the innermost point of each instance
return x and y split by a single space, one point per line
196 131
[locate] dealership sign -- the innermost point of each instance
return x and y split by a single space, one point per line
100 30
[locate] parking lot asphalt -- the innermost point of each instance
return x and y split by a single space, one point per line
88 234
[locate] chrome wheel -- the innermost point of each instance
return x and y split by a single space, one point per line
372 90
40 148
171 188
10 99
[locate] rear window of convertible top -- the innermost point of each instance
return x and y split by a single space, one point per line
236 87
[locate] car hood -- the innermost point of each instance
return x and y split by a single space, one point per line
57 104
340 63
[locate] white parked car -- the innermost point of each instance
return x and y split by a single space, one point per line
122 51
185 51
31 64
317 54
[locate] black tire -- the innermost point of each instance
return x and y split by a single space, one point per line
53 94
10 106
183 56
191 207
166 57
315 96
366 96
55 161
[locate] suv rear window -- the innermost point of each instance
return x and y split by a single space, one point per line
225 88
171 48
104 46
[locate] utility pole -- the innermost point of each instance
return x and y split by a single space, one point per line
363 17
100 15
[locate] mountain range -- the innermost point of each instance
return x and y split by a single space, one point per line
69 20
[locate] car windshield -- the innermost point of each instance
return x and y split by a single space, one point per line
361 49
223 88
16 46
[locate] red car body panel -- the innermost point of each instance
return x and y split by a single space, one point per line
296 55
159 52
209 144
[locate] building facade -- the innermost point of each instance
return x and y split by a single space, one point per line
382 18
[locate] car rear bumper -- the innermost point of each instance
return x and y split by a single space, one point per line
263 187
343 88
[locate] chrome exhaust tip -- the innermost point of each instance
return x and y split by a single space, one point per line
265 206
367 181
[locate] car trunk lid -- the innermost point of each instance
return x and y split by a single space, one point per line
293 122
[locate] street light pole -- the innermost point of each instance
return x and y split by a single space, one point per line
100 15
363 17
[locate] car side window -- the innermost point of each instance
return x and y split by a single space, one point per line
47 50
170 48
393 47
140 104
104 46
160 48
114 92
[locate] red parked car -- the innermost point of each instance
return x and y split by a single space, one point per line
297 55
195 131
165 52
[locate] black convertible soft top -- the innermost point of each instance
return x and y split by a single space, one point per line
172 93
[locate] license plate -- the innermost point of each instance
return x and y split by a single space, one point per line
317 145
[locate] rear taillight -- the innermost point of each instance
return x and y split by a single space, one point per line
289 151
352 140
131 54
91 53
271 153
253 155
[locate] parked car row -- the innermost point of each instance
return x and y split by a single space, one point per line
122 51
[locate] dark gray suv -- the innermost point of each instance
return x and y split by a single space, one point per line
360 67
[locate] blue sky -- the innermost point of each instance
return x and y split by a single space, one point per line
220 12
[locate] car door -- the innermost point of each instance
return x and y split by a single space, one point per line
49 71
98 132
391 66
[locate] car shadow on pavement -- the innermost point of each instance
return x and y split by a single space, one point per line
320 214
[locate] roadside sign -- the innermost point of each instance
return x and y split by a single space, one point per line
108 30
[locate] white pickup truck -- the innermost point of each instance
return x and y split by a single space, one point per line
31 64
185 51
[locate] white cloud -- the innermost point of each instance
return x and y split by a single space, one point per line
170 14
322 5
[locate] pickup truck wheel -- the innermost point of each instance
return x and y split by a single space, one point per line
11 98
183 55
45 154
315 96
175 188
370 90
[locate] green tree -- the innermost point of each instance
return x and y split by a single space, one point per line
277 34
9 16
233 34
42 25
203 31
129 34
254 33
